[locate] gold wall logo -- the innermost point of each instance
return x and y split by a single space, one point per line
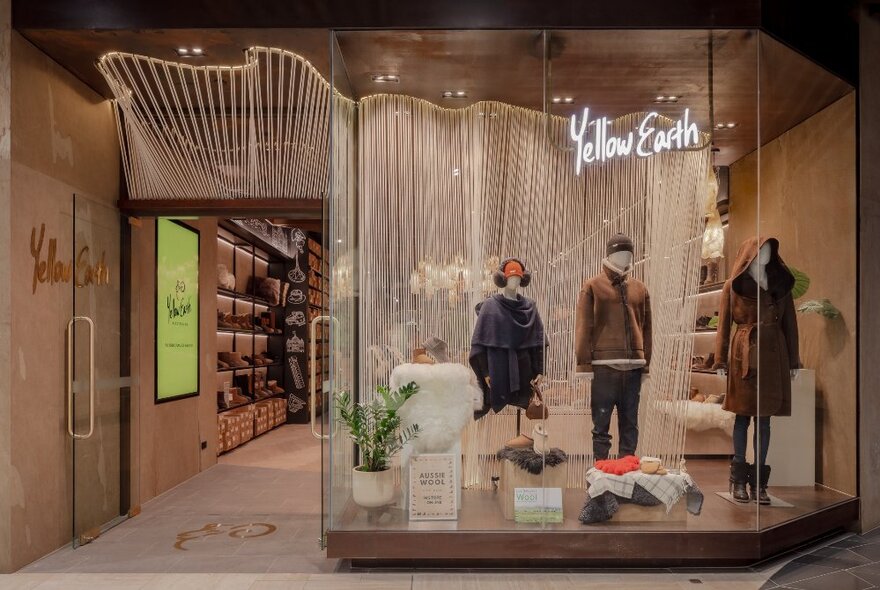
51 270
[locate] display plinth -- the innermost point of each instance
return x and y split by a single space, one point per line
584 547
630 513
793 438
513 477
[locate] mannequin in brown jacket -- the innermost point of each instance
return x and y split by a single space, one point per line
613 346
757 299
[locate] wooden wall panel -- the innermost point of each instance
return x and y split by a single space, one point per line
869 274
808 202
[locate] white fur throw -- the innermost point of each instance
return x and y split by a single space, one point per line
442 407
700 416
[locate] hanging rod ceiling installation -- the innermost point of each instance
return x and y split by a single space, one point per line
259 130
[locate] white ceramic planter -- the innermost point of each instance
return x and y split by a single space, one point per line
372 489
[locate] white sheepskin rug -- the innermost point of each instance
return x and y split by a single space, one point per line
700 416
442 407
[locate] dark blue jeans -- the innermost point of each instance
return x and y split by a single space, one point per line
621 389
741 437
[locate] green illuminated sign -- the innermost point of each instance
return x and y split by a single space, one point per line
177 310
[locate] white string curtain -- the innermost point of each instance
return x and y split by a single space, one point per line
258 130
445 194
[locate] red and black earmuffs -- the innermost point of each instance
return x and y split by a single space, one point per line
517 268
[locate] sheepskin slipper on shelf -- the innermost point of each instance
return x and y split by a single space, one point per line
442 407
531 461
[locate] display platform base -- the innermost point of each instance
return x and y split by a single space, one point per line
724 534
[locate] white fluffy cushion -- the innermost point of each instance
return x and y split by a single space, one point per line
442 407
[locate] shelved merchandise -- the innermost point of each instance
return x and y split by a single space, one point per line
319 293
250 343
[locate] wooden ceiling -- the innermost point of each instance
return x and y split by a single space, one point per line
614 72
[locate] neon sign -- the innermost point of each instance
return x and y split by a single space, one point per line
594 144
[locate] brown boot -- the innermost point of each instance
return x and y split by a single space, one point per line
739 478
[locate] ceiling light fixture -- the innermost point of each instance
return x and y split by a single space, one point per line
386 78
563 100
667 98
725 126
454 94
190 52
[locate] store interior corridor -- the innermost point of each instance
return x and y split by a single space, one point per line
257 511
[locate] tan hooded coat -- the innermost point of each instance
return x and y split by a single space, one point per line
743 304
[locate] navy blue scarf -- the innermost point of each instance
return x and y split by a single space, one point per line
505 327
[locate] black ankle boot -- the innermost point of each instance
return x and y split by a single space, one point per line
739 477
759 492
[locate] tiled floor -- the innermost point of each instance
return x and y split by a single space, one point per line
263 482
274 479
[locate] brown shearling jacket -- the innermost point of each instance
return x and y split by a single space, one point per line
613 320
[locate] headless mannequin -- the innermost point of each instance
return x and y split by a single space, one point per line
621 263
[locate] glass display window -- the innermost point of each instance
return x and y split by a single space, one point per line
543 245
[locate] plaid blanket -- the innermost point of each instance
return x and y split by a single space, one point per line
668 488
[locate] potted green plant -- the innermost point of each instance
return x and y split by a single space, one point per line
375 427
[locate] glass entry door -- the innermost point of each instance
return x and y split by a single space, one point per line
99 405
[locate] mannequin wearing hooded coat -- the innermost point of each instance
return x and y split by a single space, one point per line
758 385
743 304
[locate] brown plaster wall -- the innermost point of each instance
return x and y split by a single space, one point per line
171 433
869 275
63 141
5 292
808 202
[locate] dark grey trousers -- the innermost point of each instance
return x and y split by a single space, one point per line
612 388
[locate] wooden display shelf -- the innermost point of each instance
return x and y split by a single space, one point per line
234 331
221 292
235 407
231 369
250 402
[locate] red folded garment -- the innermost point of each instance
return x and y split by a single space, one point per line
618 466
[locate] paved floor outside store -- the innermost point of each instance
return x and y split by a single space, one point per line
264 485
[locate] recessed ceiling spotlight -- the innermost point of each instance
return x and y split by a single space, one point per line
557 99
454 94
667 98
563 100
726 125
386 78
190 52
568 99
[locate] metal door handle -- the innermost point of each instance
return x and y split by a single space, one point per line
313 380
70 417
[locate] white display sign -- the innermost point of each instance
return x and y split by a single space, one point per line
432 493
537 505
594 144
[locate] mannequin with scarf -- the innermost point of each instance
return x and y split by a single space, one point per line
757 300
613 346
507 346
